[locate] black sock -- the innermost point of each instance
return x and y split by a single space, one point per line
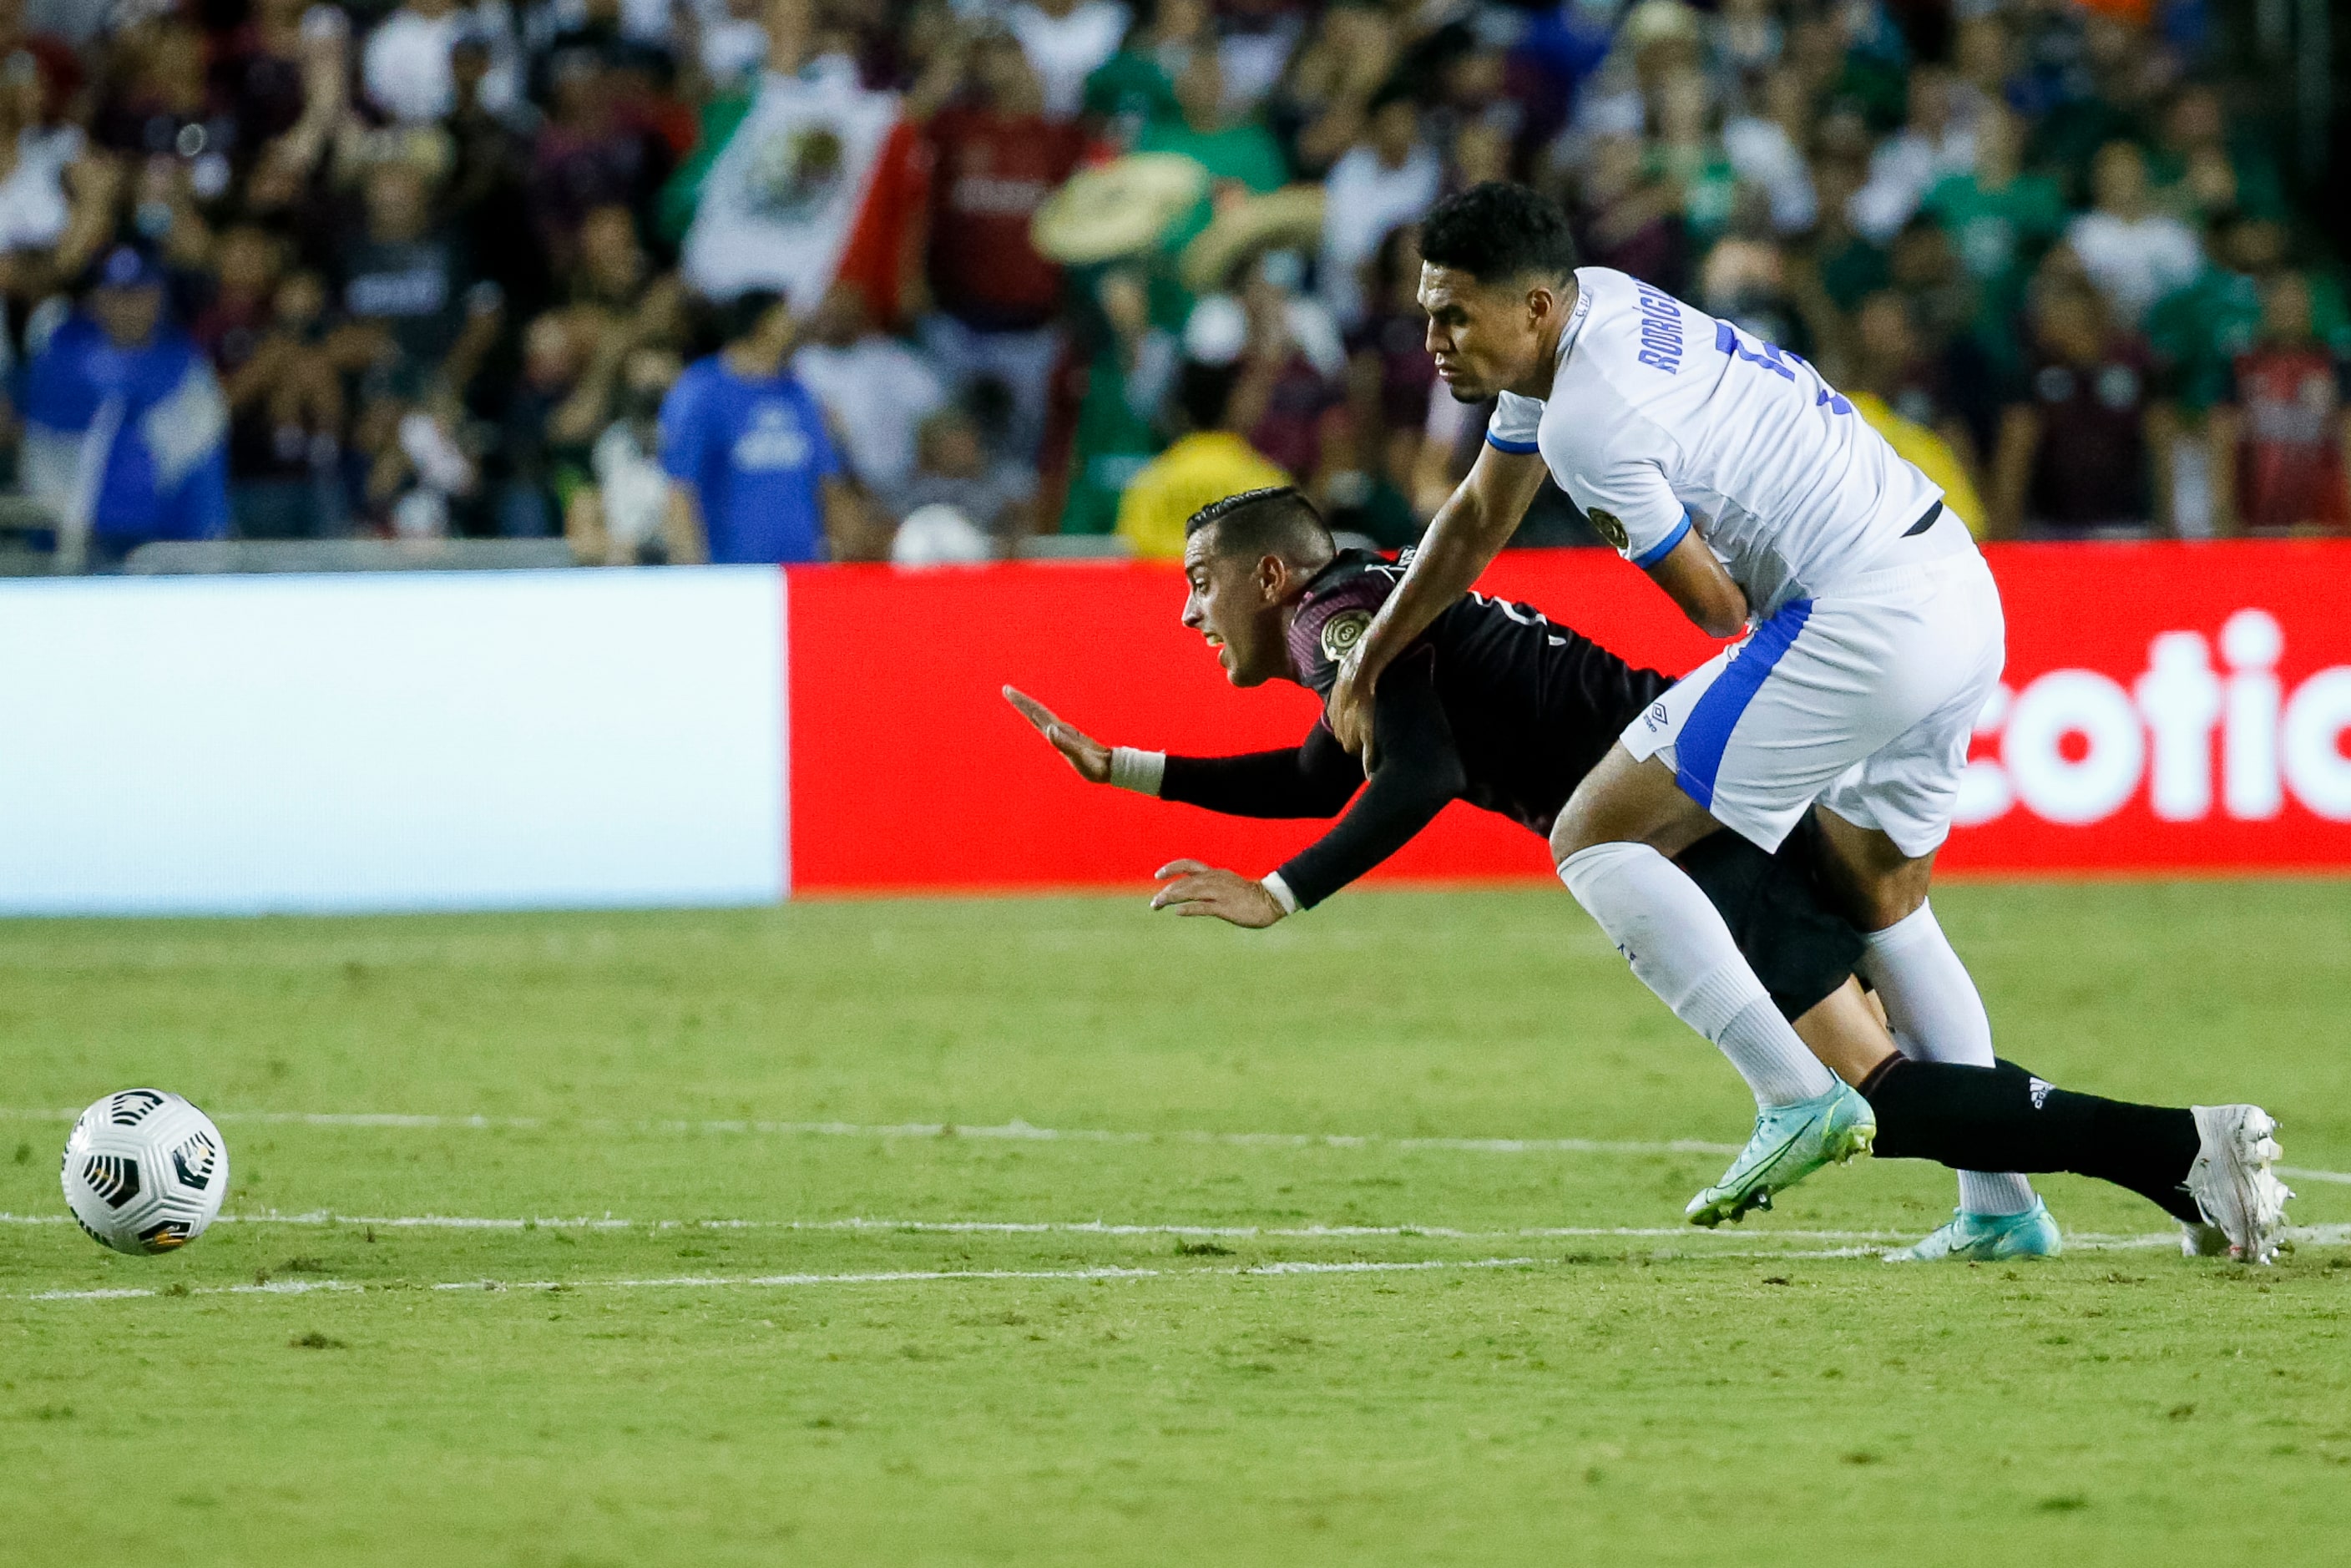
2004 1119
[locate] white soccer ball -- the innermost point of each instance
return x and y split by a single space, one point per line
144 1171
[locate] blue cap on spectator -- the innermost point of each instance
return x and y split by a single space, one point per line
126 267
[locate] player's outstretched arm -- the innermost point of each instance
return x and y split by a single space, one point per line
1315 780
1419 770
1470 530
1090 756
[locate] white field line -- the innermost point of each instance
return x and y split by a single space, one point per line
2322 1235
1014 1131
864 1226
2317 1235
782 1281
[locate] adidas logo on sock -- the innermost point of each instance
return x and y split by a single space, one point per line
2039 1090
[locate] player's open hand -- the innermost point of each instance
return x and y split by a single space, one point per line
1188 887
1090 756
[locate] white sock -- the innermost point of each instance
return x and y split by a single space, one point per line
1937 1016
1681 949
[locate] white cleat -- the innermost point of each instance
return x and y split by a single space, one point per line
2232 1182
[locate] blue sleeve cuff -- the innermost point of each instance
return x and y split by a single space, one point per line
1663 548
1516 448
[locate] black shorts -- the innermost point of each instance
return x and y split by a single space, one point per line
1773 903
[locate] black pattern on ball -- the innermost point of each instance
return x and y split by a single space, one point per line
113 1177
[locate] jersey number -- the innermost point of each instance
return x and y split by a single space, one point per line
1777 360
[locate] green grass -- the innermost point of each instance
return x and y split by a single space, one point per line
1668 1397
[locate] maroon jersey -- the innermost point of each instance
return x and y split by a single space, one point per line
2091 467
2290 467
990 174
1533 707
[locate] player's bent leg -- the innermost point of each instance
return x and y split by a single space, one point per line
1607 846
1845 1032
1608 842
1627 800
2209 1167
1930 1001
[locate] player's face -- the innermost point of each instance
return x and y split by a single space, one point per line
1485 338
1236 603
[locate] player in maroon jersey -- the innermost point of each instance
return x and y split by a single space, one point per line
1498 706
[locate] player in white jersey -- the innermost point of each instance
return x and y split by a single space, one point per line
1753 494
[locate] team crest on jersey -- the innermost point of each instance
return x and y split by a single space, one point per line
1610 527
1342 632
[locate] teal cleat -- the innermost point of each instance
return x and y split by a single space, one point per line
1791 1143
1987 1239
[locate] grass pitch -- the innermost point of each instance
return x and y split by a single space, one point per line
1050 1231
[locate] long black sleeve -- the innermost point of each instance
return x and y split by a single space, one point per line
1416 769
1315 780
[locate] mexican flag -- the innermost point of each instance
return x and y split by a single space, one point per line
809 180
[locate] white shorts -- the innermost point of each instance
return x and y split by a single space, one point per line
1862 699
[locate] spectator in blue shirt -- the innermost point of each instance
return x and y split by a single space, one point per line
125 428
753 474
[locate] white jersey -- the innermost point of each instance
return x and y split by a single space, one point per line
1662 418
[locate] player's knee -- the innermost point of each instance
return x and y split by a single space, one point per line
1592 816
1875 897
1625 802
1889 900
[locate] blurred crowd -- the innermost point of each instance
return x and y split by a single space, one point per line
809 279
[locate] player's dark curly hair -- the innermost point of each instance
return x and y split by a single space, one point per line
1499 231
1278 520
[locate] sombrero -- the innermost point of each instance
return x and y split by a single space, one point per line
1278 219
1119 209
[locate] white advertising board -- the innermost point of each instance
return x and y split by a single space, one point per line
416 740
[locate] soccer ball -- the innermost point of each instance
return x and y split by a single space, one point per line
144 1171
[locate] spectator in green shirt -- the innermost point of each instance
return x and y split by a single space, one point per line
1136 86
2000 220
1131 361
2198 331
1849 266
2199 171
1235 152
1688 153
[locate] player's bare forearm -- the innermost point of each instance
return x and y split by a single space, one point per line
1469 532
1694 579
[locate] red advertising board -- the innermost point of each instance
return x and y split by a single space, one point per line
2167 708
